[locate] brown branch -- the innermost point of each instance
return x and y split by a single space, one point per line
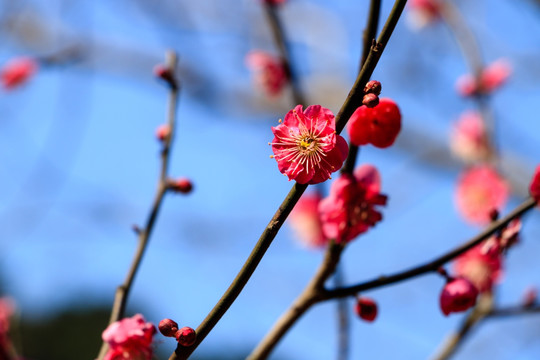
433 265
122 292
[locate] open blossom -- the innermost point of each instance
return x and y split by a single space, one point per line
491 78
17 71
423 12
534 188
305 220
366 309
469 140
481 265
306 146
350 209
269 72
458 295
480 190
379 125
129 339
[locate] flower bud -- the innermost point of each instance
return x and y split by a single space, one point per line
530 297
168 327
370 100
373 87
458 295
163 72
163 131
366 309
182 185
186 336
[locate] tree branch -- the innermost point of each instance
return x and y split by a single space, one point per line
122 292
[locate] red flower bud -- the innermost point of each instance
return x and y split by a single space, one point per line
168 327
182 185
530 297
366 309
458 295
534 188
370 100
163 72
379 126
163 131
186 336
373 87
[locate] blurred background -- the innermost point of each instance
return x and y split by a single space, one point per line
80 166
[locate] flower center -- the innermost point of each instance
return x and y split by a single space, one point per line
307 143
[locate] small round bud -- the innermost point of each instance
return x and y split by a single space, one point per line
186 336
373 87
370 100
163 131
182 185
494 214
163 72
366 309
168 327
530 297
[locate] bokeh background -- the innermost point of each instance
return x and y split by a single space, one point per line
80 166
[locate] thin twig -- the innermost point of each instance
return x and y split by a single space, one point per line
279 39
433 265
122 292
482 312
473 319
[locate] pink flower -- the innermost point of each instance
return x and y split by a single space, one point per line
534 188
17 71
129 339
366 309
305 220
481 265
480 190
491 78
306 146
7 308
268 70
423 12
469 140
350 210
379 125
457 295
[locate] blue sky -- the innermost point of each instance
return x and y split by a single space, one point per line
80 166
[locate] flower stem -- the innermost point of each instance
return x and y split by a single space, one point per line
122 292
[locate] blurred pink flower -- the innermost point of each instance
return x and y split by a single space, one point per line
457 295
468 139
306 146
493 76
481 265
480 190
17 71
350 210
269 72
129 339
305 221
423 12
